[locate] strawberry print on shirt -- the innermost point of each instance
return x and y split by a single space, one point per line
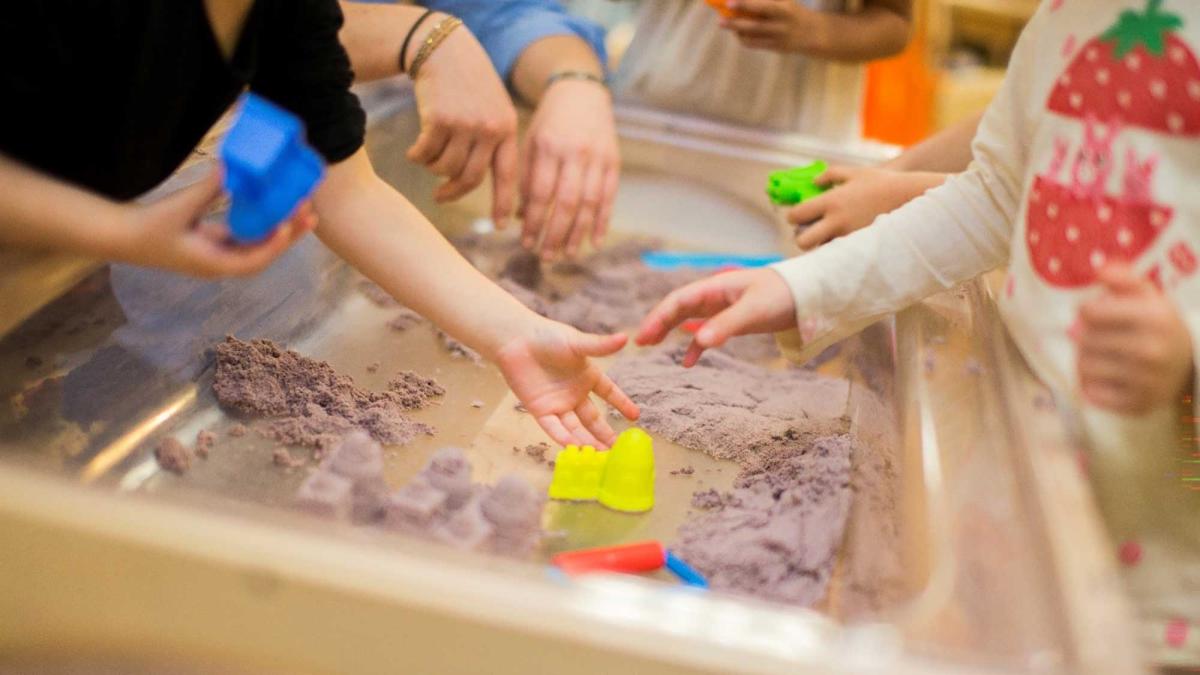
1137 74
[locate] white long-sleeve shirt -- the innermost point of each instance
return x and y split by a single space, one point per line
1090 153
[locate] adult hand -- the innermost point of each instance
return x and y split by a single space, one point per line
735 303
468 124
859 195
777 25
1135 351
570 168
172 233
551 373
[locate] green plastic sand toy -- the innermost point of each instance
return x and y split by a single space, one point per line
621 479
792 186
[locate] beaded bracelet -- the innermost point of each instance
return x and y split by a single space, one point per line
435 38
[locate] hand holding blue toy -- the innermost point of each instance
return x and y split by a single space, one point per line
269 169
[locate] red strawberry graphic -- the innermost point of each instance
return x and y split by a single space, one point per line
1138 71
1070 238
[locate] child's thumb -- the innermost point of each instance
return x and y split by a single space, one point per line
832 176
198 196
587 344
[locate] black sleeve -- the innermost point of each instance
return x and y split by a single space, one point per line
303 67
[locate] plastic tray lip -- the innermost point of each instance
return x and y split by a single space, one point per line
246 538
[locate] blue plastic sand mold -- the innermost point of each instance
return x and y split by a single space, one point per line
269 168
667 260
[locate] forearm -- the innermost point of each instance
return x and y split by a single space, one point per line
379 232
547 56
948 151
37 211
877 31
951 234
373 34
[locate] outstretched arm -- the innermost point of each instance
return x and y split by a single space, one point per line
547 364
951 234
947 151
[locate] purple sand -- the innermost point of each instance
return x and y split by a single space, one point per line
442 504
326 494
173 456
313 404
405 319
457 349
729 408
777 533
359 459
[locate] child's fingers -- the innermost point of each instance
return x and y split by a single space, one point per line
1092 368
816 234
554 429
588 344
1107 395
193 201
608 390
579 432
726 324
218 259
759 7
693 354
594 422
755 28
1119 347
1112 313
1120 279
808 210
696 300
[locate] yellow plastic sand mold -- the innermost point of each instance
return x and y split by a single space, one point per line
628 483
577 473
621 479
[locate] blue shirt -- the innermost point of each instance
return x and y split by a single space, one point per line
506 27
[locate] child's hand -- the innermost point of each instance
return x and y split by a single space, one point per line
859 195
1135 352
747 301
171 234
551 374
777 25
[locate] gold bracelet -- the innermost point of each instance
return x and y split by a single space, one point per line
435 38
